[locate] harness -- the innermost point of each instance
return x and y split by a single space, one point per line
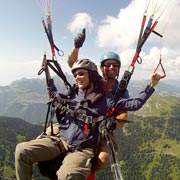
60 108
60 103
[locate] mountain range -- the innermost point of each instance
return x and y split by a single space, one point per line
149 146
27 98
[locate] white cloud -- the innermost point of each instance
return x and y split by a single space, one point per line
122 32
79 21
16 68
29 69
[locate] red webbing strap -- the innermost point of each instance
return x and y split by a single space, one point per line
136 55
48 31
143 36
91 176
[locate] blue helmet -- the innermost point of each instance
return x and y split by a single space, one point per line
110 55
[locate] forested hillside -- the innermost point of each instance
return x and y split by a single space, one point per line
12 131
149 146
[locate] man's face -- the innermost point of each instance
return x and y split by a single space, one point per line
82 78
110 68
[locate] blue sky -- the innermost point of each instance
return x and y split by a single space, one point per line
110 25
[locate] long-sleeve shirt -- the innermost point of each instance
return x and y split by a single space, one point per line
72 129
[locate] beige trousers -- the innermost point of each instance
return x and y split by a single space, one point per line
76 165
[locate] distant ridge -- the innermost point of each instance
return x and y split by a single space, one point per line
27 98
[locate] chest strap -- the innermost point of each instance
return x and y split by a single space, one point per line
60 102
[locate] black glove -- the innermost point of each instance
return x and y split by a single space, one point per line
108 124
111 124
102 126
80 38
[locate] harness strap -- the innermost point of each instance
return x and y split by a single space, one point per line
80 116
93 97
60 103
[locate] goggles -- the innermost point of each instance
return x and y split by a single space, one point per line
111 64
79 73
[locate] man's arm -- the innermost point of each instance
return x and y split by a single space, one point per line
78 42
134 104
73 56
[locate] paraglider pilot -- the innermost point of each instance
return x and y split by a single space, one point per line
79 128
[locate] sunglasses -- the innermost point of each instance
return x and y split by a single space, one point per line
79 73
111 64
